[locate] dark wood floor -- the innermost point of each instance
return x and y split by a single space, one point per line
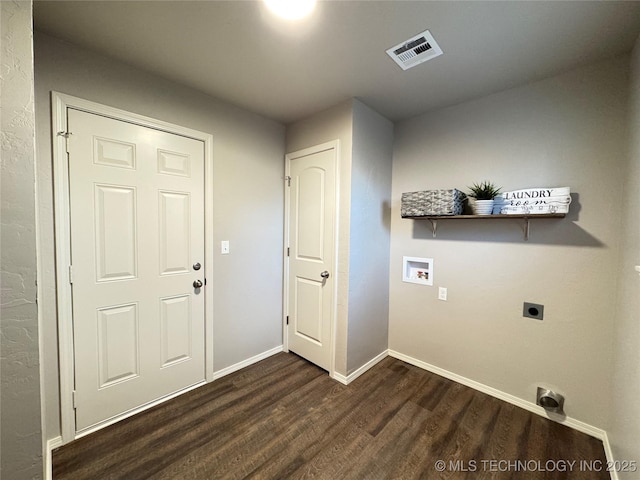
284 418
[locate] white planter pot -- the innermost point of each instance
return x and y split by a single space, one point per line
482 207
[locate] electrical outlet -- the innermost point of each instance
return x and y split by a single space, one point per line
533 310
442 293
224 247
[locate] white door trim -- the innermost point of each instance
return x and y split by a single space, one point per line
60 103
335 145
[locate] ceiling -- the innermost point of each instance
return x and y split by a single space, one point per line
237 51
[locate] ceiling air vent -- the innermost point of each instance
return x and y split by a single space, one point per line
414 51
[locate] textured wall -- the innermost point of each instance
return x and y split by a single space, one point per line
21 437
568 130
624 433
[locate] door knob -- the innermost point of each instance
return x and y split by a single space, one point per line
197 284
324 274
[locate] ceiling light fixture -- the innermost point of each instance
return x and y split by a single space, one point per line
291 9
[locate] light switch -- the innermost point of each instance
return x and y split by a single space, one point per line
224 247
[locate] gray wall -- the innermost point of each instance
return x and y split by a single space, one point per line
248 171
335 123
624 433
21 433
568 130
366 142
369 232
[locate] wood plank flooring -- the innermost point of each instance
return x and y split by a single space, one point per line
284 418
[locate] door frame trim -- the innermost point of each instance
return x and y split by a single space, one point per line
60 103
331 145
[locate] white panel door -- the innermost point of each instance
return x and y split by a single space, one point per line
137 230
312 218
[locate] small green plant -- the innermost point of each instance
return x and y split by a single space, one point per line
484 190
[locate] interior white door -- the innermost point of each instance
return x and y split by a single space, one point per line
137 233
311 279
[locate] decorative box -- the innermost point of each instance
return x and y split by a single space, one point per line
432 202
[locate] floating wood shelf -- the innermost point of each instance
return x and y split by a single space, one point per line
526 217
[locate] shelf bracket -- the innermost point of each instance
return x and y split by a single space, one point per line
434 226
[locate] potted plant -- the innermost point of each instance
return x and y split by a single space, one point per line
483 193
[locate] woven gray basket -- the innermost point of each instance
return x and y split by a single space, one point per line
432 202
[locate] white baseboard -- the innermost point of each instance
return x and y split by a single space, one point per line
609 454
245 363
355 374
340 378
530 406
51 444
519 402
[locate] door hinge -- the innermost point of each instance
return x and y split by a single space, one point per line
287 319
287 251
74 396
66 136
205 282
70 273
288 179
